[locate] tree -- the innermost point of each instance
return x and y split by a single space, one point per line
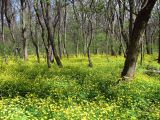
50 30
9 14
158 9
34 40
24 28
134 44
159 39
65 29
46 44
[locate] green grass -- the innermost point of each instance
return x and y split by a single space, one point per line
31 91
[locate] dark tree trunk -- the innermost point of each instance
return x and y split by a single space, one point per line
90 30
2 28
37 54
120 50
159 40
77 47
142 55
113 53
138 29
2 20
48 59
147 43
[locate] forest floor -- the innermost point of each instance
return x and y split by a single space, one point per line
31 91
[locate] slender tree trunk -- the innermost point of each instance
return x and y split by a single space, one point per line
35 42
159 39
59 35
139 27
151 44
113 52
48 58
142 55
90 64
2 28
2 19
59 43
147 43
37 45
131 5
65 29
120 50
77 47
121 22
24 32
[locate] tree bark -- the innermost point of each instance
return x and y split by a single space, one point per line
50 31
147 43
24 29
159 39
131 5
138 29
43 33
35 42
59 32
121 22
65 30
2 28
90 64
9 18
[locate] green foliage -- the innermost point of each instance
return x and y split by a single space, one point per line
32 91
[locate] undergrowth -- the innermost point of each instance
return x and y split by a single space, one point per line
29 90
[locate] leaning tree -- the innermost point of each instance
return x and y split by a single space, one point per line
134 43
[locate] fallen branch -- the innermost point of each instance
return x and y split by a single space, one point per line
153 71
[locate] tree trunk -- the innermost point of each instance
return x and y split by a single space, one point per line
147 43
9 18
50 31
43 33
131 5
59 43
35 42
2 28
77 47
121 22
24 29
142 55
138 29
159 39
65 29
59 37
90 64
37 45
48 58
